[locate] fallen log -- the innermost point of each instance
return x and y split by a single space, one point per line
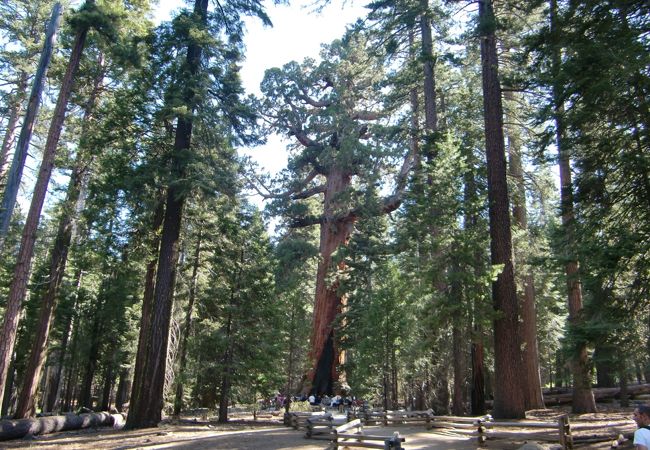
633 390
16 429
566 396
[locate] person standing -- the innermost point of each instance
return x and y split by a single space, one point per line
642 435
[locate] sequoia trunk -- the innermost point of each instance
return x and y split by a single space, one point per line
334 232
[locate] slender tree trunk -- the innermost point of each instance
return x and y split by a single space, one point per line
109 383
290 363
429 62
146 407
58 261
85 393
225 390
470 197
533 389
227 360
26 252
9 386
15 109
457 403
646 372
187 329
123 388
603 359
20 156
583 397
324 354
68 336
478 379
508 395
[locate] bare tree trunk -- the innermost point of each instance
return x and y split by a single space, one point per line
123 388
71 370
15 109
226 360
430 112
457 407
18 163
69 334
85 390
583 397
187 329
146 408
26 252
478 379
508 395
109 382
291 356
646 372
8 401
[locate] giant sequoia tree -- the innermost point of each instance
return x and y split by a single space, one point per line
333 110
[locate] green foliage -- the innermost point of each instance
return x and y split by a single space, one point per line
238 314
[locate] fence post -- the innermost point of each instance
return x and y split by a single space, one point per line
482 437
566 439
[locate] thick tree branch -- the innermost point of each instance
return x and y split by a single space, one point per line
393 201
309 192
310 101
365 115
294 193
315 103
302 137
307 221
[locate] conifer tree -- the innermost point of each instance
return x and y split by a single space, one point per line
24 259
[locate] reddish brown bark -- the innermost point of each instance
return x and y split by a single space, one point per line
508 389
334 232
58 261
532 389
24 259
147 303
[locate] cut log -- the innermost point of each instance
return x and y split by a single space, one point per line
16 429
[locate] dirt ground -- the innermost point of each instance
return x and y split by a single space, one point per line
272 435
232 437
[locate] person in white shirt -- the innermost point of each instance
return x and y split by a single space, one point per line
642 435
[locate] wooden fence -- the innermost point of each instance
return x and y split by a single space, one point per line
483 428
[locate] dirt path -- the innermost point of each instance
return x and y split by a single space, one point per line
231 437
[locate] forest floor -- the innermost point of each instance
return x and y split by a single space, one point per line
245 434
